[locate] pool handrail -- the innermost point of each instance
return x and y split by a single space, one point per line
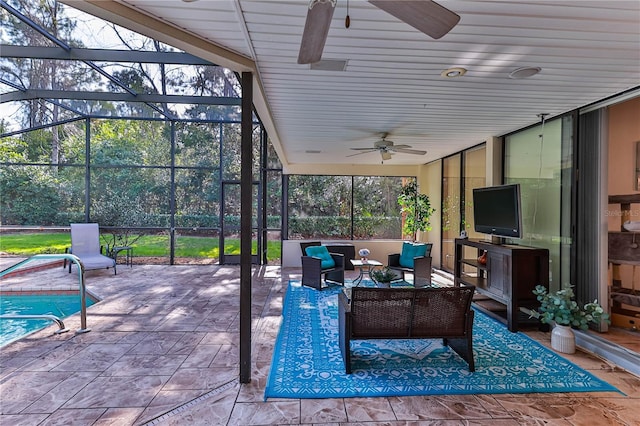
57 320
83 292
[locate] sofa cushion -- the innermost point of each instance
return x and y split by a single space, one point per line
323 254
410 251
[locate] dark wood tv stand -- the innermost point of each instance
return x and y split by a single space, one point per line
506 282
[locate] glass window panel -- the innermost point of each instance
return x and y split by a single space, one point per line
319 207
375 207
130 142
273 188
274 247
34 196
475 176
197 198
451 193
197 246
536 160
130 196
197 145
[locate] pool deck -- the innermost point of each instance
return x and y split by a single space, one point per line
163 350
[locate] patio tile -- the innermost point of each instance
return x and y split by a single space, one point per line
145 360
158 343
204 379
323 411
118 417
368 410
140 365
95 357
201 356
167 400
210 411
267 413
114 392
23 419
73 417
58 396
21 389
438 407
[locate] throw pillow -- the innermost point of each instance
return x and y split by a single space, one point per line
322 253
410 251
406 255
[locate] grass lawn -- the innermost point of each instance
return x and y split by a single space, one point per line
28 244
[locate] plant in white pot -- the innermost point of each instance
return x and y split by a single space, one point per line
561 309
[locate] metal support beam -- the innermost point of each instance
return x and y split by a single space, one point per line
101 55
246 180
124 97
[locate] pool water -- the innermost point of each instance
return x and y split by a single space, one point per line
60 305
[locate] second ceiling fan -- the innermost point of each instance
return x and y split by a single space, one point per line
425 15
386 148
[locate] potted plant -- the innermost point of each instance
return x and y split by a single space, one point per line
561 309
384 275
415 208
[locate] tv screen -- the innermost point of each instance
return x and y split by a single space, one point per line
496 210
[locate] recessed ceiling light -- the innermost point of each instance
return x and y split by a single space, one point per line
453 72
524 72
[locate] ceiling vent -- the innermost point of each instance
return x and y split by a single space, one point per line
329 65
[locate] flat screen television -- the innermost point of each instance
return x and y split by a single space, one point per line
496 210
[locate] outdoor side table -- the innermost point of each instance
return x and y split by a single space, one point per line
128 252
365 267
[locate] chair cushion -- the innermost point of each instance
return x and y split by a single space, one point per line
410 251
322 253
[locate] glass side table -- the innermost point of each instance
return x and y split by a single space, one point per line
366 267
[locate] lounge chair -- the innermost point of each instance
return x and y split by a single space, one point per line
85 244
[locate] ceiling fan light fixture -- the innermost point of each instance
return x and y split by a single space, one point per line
524 72
453 72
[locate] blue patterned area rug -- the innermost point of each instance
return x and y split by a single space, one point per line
307 362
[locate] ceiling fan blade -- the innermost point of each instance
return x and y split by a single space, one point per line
315 32
368 150
386 155
409 151
363 149
424 15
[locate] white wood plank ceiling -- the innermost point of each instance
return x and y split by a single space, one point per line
588 50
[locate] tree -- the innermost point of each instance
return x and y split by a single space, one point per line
415 208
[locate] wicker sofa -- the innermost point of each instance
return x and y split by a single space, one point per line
407 313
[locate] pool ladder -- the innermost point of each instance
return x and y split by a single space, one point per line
83 293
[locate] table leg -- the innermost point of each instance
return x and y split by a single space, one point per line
358 279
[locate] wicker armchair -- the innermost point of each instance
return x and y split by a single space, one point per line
407 313
421 268
312 271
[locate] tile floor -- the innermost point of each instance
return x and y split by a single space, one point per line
163 350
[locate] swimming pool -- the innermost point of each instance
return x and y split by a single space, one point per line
61 305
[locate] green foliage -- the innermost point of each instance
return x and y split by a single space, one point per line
559 307
384 275
28 244
416 209
29 196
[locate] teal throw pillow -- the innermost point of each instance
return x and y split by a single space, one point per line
322 253
406 255
411 250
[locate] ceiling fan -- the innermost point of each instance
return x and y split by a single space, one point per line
425 15
387 148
